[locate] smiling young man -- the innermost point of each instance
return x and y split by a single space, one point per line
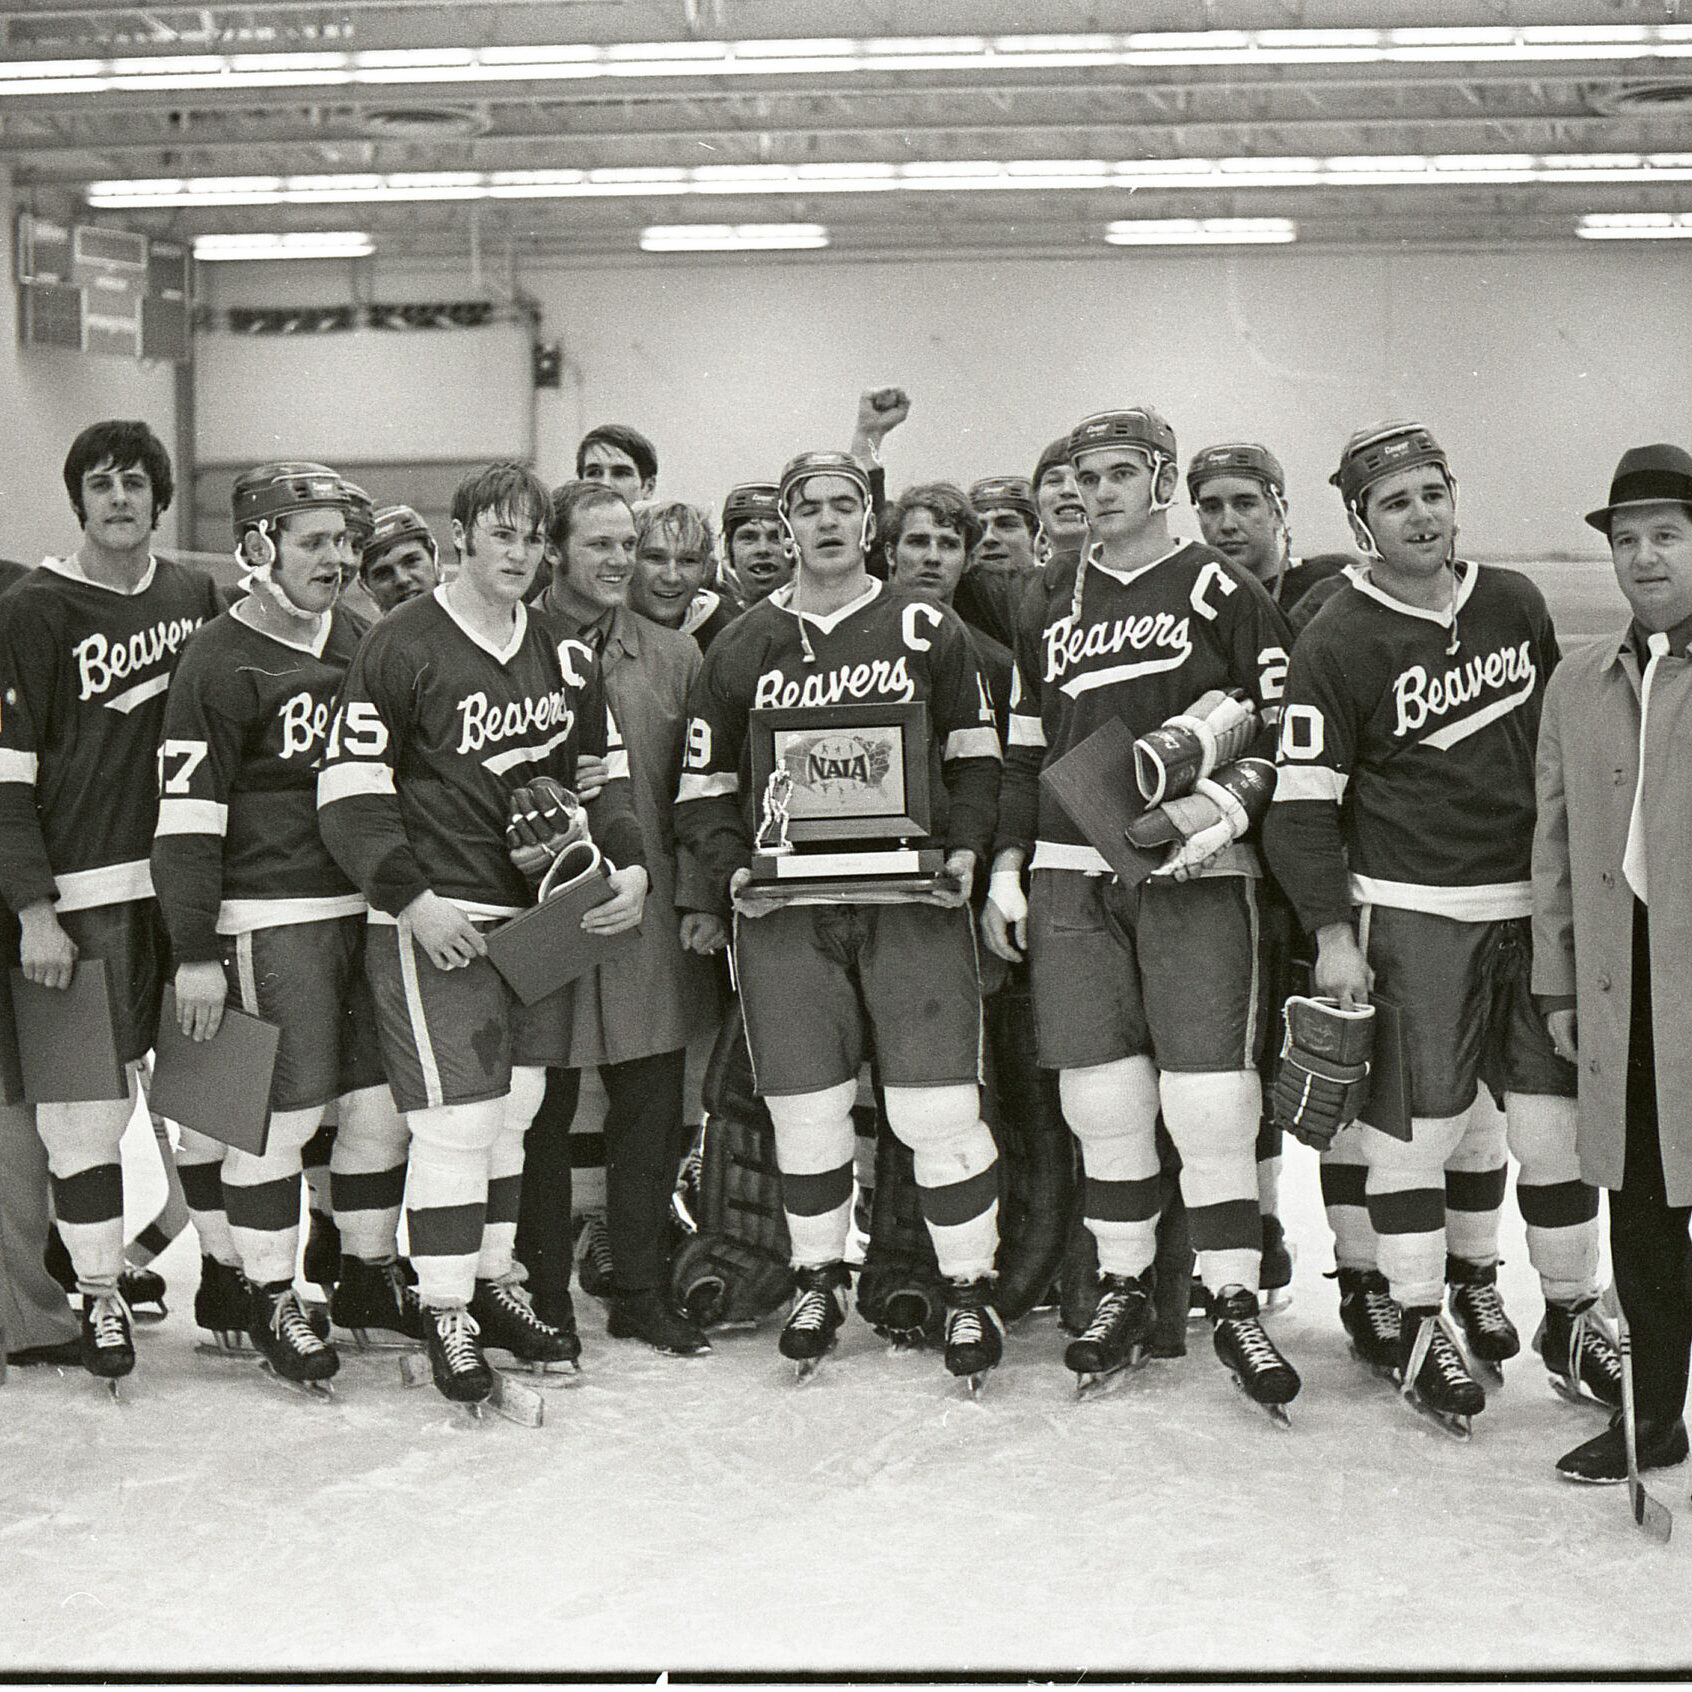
88 647
755 544
451 702
1063 517
1147 997
816 979
258 912
1401 830
400 560
1001 565
674 559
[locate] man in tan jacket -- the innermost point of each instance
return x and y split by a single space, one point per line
1612 969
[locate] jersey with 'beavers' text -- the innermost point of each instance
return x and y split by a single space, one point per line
237 846
433 730
84 670
887 646
1407 752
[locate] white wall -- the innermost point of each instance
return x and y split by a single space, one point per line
1534 368
46 398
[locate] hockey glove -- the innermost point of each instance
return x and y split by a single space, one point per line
1203 823
544 819
1323 1081
1172 760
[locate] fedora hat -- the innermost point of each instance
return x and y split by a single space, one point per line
1645 476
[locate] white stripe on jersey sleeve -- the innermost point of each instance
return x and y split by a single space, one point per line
19 766
1309 781
1027 731
353 781
613 734
111 884
616 764
192 816
972 743
1499 901
707 786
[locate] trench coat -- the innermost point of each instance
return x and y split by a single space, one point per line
1588 766
652 996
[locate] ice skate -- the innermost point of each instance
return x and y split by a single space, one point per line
288 1343
144 1292
223 1307
461 1373
1584 1364
593 1255
648 1316
507 1322
321 1262
1433 1377
1112 1342
1275 1276
818 1309
108 1348
1371 1318
1488 1333
1250 1356
378 1305
974 1332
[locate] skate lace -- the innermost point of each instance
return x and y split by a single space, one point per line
1445 1357
513 1297
965 1326
1257 1350
1484 1308
458 1331
1590 1344
1380 1311
596 1247
289 1324
108 1319
1112 1309
810 1311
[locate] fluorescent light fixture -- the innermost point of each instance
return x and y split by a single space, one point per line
1635 226
732 237
1047 175
304 244
1201 232
1009 54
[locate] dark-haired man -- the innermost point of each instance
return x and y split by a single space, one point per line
755 546
400 560
621 456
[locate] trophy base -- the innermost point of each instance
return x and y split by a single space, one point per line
871 866
846 878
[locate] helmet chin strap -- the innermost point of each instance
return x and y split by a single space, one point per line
263 585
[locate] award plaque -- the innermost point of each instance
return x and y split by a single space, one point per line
842 802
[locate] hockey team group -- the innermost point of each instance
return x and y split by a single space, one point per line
1354 783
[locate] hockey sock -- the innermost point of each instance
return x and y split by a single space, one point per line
1268 1166
447 1196
367 1173
1560 1210
173 1218
1345 1173
1112 1110
815 1142
262 1196
317 1156
1406 1186
587 1145
505 1174
87 1181
199 1163
1212 1117
957 1173
1475 1178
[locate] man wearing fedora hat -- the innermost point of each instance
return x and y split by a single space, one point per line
1612 900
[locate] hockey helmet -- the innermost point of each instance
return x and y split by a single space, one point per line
394 525
1237 458
746 502
361 514
800 470
1138 427
997 493
1383 450
273 490
1056 453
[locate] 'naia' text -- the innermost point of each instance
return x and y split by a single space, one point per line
481 724
851 681
1420 696
99 663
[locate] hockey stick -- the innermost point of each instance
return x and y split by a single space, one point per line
1649 1513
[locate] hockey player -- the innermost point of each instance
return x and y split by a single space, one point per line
451 702
674 560
621 456
257 908
1146 997
400 560
811 976
1001 562
755 545
1401 830
1239 491
1063 517
88 646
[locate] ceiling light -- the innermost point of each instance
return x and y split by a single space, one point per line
1201 231
1635 226
303 244
1010 54
732 237
966 176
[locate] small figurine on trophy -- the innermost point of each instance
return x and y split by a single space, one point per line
772 830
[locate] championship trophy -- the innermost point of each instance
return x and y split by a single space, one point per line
845 814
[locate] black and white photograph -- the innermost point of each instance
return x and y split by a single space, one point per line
845 842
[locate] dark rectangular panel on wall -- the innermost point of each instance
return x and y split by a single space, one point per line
51 315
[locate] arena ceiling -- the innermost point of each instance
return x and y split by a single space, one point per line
565 127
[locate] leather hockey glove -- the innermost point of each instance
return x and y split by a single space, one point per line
1196 827
1323 1081
1214 730
544 819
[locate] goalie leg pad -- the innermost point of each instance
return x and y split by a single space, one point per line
900 1257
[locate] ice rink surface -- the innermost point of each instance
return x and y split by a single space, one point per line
712 1514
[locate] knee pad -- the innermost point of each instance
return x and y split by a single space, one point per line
193 1148
290 1131
79 1136
933 1116
1419 1161
451 1132
814 1131
1481 1147
1541 1135
1212 1112
1109 1100
372 1133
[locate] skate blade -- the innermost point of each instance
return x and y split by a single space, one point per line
319 1392
805 1369
553 1375
1104 1380
1578 1394
227 1344
1277 1413
110 1383
149 1317
974 1383
1457 1427
376 1340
